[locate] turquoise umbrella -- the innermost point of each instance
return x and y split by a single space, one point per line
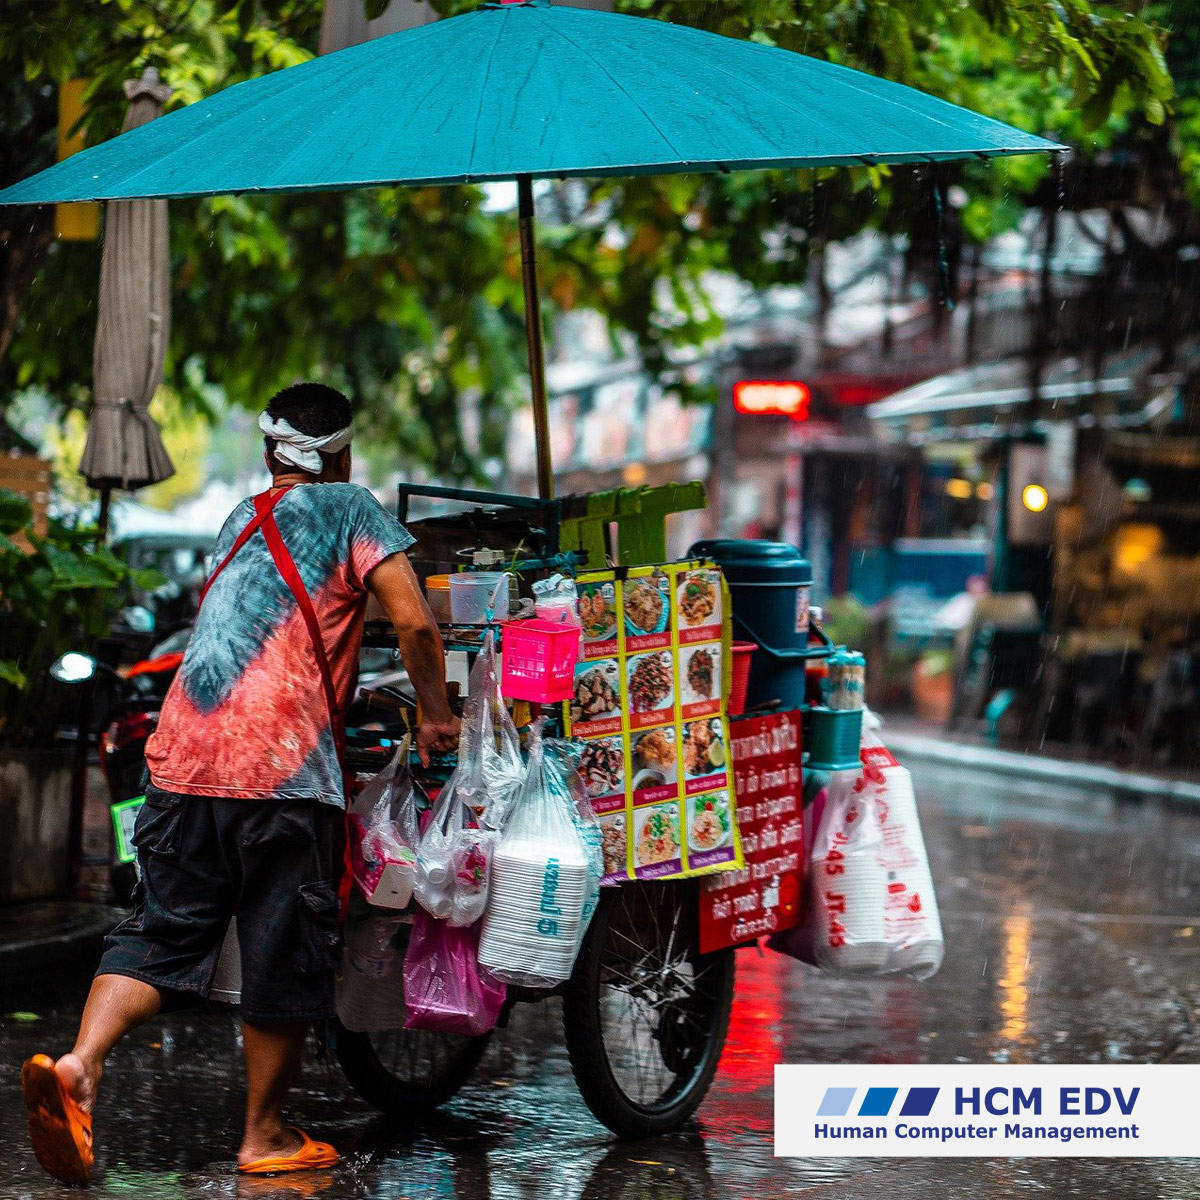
524 91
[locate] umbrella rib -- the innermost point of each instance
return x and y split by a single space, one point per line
483 98
625 91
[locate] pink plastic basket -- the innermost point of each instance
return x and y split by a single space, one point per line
539 660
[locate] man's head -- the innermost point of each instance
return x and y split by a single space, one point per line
307 431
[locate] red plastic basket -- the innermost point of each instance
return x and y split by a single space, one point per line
538 660
743 658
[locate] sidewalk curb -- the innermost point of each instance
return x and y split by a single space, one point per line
1049 770
42 941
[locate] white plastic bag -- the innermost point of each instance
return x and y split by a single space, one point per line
848 885
912 924
490 770
383 834
454 858
541 881
874 910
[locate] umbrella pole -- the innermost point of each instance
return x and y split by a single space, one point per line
102 519
533 336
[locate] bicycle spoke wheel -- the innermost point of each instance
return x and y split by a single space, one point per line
645 1013
406 1071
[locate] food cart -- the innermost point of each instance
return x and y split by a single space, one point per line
700 809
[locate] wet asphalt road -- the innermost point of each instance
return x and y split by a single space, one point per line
1073 930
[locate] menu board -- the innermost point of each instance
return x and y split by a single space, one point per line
764 896
649 702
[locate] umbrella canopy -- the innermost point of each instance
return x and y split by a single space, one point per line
526 89
124 447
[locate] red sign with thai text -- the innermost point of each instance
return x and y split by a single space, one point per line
763 897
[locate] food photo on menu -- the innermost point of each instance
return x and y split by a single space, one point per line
703 748
698 599
597 693
602 767
710 822
657 840
598 612
654 758
647 605
614 844
651 683
700 678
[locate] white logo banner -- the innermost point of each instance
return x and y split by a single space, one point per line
965 1111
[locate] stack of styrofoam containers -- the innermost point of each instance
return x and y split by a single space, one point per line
849 913
535 910
912 925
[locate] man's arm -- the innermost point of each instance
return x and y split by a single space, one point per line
398 590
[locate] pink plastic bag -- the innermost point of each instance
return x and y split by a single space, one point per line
445 988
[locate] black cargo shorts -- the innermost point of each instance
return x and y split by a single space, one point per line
274 864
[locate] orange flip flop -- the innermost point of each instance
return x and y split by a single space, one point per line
61 1132
311 1156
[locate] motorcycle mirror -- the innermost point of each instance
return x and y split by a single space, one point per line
73 667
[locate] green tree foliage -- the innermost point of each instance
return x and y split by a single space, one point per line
58 591
411 297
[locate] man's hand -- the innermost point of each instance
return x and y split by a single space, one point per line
441 736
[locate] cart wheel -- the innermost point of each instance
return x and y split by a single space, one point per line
645 1013
407 1072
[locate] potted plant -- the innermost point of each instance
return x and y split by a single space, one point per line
58 592
933 686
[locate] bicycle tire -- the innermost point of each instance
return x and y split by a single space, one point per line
409 1094
585 1028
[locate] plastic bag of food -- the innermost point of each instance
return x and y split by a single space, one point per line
490 767
556 599
541 880
383 834
445 988
454 858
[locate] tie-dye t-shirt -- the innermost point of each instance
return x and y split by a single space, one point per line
246 716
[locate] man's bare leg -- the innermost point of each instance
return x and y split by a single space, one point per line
273 1052
115 1005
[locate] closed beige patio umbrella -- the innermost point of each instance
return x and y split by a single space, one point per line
124 446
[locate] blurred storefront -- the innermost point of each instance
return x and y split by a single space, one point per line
1085 491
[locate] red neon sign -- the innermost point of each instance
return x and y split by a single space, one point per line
772 397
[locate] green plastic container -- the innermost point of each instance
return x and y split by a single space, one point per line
832 737
769 583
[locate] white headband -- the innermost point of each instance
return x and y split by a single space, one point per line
298 448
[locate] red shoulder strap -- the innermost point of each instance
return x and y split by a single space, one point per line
291 576
264 504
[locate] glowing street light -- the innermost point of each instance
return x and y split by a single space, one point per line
1035 497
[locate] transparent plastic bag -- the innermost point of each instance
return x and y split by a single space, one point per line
369 989
912 924
562 759
541 881
454 856
848 884
556 599
872 902
445 988
490 770
383 834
